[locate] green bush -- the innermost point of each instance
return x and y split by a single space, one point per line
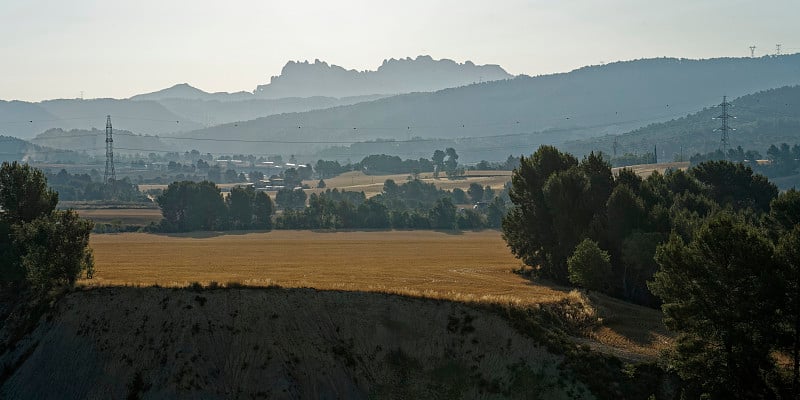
589 266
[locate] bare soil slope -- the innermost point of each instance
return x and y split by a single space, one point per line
157 343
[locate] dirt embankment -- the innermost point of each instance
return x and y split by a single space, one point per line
157 343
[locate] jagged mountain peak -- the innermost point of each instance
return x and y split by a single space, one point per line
420 74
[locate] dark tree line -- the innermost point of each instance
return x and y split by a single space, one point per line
510 164
81 187
192 206
383 164
783 159
716 247
411 205
441 161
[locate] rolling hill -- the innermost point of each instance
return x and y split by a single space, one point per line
25 120
15 149
214 112
144 117
320 79
188 92
516 115
302 343
93 141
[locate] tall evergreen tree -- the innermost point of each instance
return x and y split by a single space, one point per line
528 227
718 294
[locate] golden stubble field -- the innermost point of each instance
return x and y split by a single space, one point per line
469 266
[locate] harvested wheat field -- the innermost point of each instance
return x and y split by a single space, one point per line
470 266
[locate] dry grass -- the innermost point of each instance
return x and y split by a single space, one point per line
473 266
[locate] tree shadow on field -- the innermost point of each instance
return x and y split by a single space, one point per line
378 230
206 234
452 232
540 282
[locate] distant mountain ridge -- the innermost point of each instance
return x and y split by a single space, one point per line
25 120
215 112
487 120
515 116
320 79
394 76
189 92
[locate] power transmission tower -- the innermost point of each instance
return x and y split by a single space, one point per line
724 129
109 175
655 154
778 49
615 146
752 51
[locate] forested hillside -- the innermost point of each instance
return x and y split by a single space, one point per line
760 120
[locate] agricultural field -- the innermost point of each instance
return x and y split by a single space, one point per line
470 266
373 184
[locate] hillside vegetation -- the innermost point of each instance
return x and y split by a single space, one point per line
301 343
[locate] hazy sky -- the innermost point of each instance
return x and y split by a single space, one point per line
116 48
